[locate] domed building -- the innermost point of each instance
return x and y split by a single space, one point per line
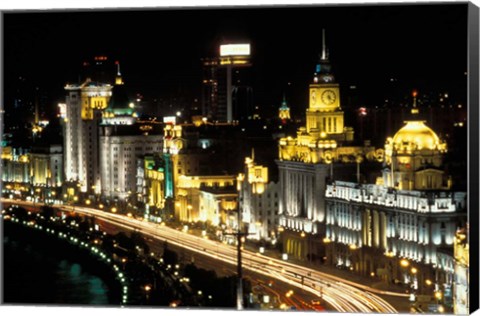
414 158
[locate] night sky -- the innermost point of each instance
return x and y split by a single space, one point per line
421 46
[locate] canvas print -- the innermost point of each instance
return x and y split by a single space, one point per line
281 158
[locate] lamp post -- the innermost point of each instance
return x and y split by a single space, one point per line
240 235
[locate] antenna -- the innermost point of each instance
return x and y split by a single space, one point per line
118 68
324 48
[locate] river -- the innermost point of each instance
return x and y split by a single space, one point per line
34 274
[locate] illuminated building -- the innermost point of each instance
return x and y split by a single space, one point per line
370 228
320 151
190 189
153 184
41 167
415 156
258 201
46 166
15 166
461 296
182 171
284 111
84 105
226 94
218 206
120 147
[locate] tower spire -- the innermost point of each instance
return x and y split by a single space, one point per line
324 47
414 109
118 78
118 68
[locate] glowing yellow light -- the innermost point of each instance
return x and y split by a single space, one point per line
235 50
114 209
87 202
414 270
428 282
404 263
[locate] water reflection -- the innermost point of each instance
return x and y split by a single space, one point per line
35 276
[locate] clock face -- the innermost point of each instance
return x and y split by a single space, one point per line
328 97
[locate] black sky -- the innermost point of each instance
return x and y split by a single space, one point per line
423 46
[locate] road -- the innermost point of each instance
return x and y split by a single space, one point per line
342 295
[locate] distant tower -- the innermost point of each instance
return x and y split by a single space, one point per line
284 110
226 94
324 114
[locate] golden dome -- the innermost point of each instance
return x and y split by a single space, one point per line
417 135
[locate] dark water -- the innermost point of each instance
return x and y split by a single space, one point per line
33 275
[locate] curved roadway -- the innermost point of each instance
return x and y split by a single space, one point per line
341 294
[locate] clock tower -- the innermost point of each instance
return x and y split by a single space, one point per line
324 114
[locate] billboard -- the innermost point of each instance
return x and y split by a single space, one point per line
235 50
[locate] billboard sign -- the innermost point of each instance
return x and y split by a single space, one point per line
235 50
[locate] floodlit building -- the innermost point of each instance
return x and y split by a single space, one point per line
284 111
15 171
84 105
402 230
171 182
258 201
46 165
461 296
120 147
322 150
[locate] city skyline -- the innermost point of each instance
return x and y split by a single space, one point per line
325 159
380 51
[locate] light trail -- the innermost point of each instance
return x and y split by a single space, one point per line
341 294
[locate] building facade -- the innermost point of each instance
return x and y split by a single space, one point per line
84 105
120 147
258 201
46 166
461 295
322 150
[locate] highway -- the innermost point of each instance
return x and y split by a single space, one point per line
342 295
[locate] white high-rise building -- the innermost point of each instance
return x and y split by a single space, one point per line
120 146
84 111
84 105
